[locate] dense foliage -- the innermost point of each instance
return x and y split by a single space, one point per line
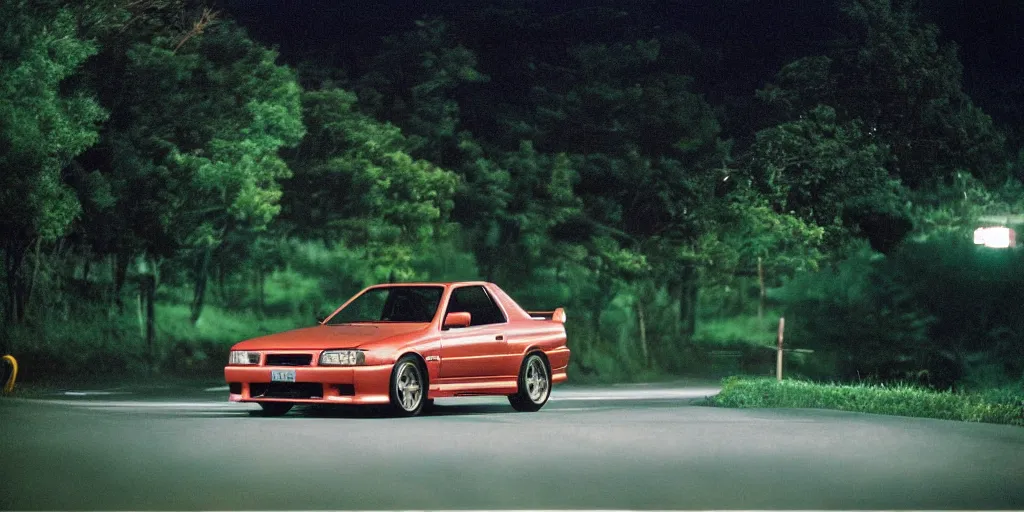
170 185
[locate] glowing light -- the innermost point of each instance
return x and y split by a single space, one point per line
995 237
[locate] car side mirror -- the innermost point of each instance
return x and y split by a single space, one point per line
459 319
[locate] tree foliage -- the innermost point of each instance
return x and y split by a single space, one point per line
356 183
831 174
43 126
891 72
155 147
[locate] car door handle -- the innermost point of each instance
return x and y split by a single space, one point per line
499 337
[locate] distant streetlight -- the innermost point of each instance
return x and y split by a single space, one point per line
996 237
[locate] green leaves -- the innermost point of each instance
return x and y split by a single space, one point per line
206 123
354 182
752 229
827 173
42 127
891 74
412 81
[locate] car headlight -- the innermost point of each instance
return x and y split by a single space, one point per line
342 358
244 357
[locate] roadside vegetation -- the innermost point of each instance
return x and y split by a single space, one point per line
170 184
1004 406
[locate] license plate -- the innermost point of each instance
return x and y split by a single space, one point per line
282 375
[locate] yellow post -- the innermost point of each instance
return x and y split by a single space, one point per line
9 385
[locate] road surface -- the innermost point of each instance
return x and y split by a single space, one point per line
589 448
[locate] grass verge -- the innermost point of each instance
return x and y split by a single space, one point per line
897 400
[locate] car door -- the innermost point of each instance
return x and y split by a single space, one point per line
477 351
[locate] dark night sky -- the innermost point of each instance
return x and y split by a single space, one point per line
756 36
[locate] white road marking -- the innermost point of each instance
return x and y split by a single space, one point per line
580 395
646 394
627 510
192 412
96 393
582 409
208 407
137 403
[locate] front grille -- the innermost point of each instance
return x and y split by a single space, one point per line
286 390
288 359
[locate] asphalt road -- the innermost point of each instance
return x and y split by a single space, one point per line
607 448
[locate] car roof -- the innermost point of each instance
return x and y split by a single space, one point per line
435 283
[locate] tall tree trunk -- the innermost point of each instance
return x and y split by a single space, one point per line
761 291
10 269
261 292
150 288
140 309
692 294
220 282
643 331
687 293
35 272
201 274
121 258
14 257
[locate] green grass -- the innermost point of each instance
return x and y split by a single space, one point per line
998 406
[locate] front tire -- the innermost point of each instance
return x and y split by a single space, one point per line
408 387
275 408
534 385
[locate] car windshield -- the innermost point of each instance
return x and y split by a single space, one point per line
391 304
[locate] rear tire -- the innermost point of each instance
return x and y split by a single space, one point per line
276 408
534 385
408 386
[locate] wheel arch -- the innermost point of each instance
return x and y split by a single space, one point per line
419 359
539 351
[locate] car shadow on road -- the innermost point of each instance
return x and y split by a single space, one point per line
373 412
466 410
360 412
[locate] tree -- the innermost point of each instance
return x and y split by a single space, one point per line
753 233
42 128
191 153
413 82
891 73
356 183
648 156
830 174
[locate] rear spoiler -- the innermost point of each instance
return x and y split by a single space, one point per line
558 315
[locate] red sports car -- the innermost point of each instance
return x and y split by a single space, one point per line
405 345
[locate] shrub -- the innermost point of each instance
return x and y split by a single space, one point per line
1006 407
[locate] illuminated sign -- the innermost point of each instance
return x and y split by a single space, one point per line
995 237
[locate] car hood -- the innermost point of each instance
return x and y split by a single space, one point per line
323 337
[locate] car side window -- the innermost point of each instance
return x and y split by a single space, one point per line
475 301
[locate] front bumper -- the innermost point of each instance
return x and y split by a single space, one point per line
337 385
